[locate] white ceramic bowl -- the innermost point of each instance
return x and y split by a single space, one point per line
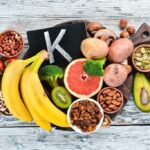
74 127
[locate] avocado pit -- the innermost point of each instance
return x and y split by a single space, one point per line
144 96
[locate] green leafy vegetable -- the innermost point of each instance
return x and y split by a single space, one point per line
94 67
50 74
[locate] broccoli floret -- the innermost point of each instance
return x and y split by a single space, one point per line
94 67
50 74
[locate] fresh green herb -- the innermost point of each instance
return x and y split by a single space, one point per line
94 67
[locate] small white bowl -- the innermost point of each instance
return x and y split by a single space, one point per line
74 127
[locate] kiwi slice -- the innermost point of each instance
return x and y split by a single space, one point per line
61 97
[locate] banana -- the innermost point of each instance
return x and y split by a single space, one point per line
43 105
10 88
27 95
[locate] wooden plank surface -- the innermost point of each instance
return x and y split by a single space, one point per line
114 138
129 115
130 128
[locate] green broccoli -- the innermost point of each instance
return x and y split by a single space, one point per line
94 67
51 73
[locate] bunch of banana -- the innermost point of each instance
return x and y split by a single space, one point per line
10 88
34 103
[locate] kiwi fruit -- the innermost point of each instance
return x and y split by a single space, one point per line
61 97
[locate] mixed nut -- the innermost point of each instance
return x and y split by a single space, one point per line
85 115
106 122
111 100
11 43
3 108
129 30
141 58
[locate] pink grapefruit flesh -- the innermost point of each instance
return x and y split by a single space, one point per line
80 84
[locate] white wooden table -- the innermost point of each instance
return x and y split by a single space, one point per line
130 129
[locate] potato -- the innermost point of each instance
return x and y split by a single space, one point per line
93 48
120 50
115 74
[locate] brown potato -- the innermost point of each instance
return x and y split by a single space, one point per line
93 48
115 75
120 50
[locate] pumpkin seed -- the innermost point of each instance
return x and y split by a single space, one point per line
138 63
138 54
139 58
143 50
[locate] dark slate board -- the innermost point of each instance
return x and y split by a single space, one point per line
70 42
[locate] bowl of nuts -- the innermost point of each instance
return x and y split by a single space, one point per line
141 58
111 99
11 43
85 115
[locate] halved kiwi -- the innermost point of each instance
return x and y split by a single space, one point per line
61 97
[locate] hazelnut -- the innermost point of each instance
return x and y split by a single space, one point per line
92 27
124 34
123 23
131 30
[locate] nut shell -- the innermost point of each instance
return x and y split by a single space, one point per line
123 23
131 30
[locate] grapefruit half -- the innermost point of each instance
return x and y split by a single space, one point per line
78 82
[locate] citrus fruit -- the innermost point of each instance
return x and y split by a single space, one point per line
78 82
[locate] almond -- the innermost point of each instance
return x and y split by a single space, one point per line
111 106
115 108
101 97
106 91
120 99
108 102
108 98
118 94
115 96
118 103
104 106
114 102
108 109
112 93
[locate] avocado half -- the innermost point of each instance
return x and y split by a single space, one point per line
141 92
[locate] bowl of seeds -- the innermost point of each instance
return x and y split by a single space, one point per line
141 58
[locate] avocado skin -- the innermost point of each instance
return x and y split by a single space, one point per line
140 81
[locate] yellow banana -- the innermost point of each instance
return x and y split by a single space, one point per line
27 95
10 88
43 105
